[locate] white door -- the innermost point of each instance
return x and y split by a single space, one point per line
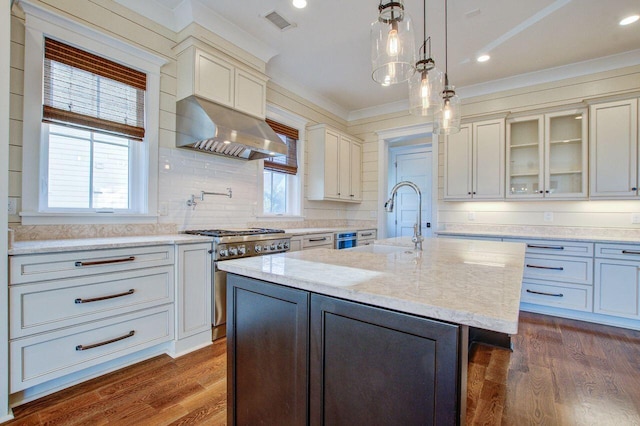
410 164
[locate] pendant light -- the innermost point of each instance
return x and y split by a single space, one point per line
392 44
425 86
448 118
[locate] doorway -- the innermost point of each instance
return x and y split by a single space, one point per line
410 163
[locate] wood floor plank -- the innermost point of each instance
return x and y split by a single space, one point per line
561 372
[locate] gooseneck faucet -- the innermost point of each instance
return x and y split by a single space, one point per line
417 228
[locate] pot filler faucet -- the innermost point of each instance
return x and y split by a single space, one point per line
417 229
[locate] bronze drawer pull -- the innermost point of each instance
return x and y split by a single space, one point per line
106 342
106 262
545 294
368 234
97 299
630 252
315 240
560 268
545 247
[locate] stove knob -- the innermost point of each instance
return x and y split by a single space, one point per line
273 246
223 252
242 250
280 246
233 251
286 245
258 249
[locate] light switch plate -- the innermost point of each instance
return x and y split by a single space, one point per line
548 216
13 206
471 216
635 217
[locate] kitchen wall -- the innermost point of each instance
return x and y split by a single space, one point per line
181 172
521 214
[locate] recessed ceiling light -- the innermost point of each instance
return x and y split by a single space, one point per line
300 4
483 58
629 20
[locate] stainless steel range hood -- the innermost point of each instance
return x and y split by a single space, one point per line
207 127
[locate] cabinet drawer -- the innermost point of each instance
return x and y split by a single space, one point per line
44 357
618 251
556 247
48 305
566 296
576 270
316 240
40 267
369 234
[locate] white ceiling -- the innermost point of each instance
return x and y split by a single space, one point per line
326 57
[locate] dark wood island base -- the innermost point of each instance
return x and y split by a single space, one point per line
301 358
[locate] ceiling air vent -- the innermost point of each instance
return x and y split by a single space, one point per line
278 20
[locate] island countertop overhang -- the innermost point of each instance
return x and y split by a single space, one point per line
473 283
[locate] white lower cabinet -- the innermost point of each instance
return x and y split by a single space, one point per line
617 282
43 357
73 310
313 241
193 284
558 274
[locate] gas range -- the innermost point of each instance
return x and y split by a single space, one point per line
245 242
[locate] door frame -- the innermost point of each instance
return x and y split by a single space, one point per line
386 139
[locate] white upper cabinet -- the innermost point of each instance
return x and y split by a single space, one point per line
222 81
547 155
474 162
613 143
335 165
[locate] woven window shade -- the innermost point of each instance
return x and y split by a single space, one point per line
88 91
289 163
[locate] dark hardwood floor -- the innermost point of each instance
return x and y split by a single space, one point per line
561 372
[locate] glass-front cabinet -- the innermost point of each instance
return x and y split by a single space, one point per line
547 155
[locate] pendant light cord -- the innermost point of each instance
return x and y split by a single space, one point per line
446 45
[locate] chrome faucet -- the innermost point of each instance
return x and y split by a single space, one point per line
417 228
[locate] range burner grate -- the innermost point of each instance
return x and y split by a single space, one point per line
234 232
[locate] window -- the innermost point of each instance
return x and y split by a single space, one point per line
91 125
281 195
97 106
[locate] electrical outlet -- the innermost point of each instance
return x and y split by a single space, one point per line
548 216
471 215
164 209
635 218
13 206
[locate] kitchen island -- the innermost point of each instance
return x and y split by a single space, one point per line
372 335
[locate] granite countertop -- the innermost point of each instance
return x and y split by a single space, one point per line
474 283
612 236
50 246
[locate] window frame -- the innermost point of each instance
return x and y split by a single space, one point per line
144 183
295 183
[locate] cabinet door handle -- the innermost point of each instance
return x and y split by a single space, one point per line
630 252
106 262
368 234
546 267
545 247
634 189
106 342
541 191
111 296
315 240
545 294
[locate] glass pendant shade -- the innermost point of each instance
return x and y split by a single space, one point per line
392 45
425 89
448 118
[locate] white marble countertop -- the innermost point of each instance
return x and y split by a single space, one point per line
475 283
613 236
50 246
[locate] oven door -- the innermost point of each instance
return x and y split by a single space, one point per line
219 302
